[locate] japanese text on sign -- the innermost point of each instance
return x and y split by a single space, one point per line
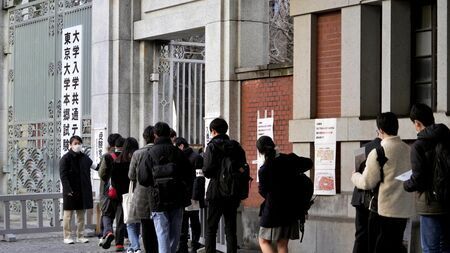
71 94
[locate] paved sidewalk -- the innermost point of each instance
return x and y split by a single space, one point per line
50 243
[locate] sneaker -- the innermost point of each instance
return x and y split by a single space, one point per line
68 241
130 250
100 241
138 251
82 240
119 248
107 241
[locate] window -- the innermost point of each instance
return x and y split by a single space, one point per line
424 52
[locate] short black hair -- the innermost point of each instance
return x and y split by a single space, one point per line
148 134
219 125
173 133
422 113
181 140
388 122
112 139
162 129
75 137
119 142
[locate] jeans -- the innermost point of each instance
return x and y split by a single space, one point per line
227 208
435 233
168 229
67 220
149 239
192 216
133 234
362 231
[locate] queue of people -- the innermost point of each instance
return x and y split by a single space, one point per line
167 180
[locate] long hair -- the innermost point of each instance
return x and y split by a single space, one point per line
130 145
266 147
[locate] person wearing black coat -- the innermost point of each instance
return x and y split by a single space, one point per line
169 175
277 185
191 213
359 201
219 205
77 189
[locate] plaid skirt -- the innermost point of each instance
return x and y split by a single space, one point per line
290 232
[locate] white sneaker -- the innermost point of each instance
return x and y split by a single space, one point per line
82 240
100 241
68 241
138 251
130 251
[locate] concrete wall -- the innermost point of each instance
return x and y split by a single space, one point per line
3 94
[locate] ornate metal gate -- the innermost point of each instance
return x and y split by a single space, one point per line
179 98
34 98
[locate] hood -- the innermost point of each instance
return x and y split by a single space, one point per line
434 132
220 139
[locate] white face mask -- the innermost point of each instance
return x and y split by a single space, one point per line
76 148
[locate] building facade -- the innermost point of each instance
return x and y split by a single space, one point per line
189 61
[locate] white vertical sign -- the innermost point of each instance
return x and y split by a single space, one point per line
264 127
71 83
325 157
99 144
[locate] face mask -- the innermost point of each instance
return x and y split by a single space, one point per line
76 148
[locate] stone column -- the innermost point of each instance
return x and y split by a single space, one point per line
3 98
112 48
221 88
443 56
396 57
305 44
361 61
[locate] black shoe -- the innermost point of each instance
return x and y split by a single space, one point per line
107 242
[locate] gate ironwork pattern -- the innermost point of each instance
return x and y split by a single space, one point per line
34 111
181 87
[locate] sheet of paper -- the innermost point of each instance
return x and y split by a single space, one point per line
405 176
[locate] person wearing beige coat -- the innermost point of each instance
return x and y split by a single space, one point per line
395 205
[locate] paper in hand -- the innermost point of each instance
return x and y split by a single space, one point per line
405 176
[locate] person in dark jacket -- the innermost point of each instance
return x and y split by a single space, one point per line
219 205
191 213
121 183
140 208
167 172
277 184
77 189
434 219
360 202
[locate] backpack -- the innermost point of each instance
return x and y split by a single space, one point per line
306 191
167 186
234 174
382 159
441 174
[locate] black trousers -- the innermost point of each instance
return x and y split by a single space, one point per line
192 216
108 220
362 230
149 239
227 208
386 234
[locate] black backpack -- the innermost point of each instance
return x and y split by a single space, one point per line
167 184
234 174
306 191
441 175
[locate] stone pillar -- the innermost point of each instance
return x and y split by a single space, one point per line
112 49
361 61
253 28
222 95
443 56
396 57
305 44
3 98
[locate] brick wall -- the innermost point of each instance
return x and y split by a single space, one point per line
329 65
265 94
